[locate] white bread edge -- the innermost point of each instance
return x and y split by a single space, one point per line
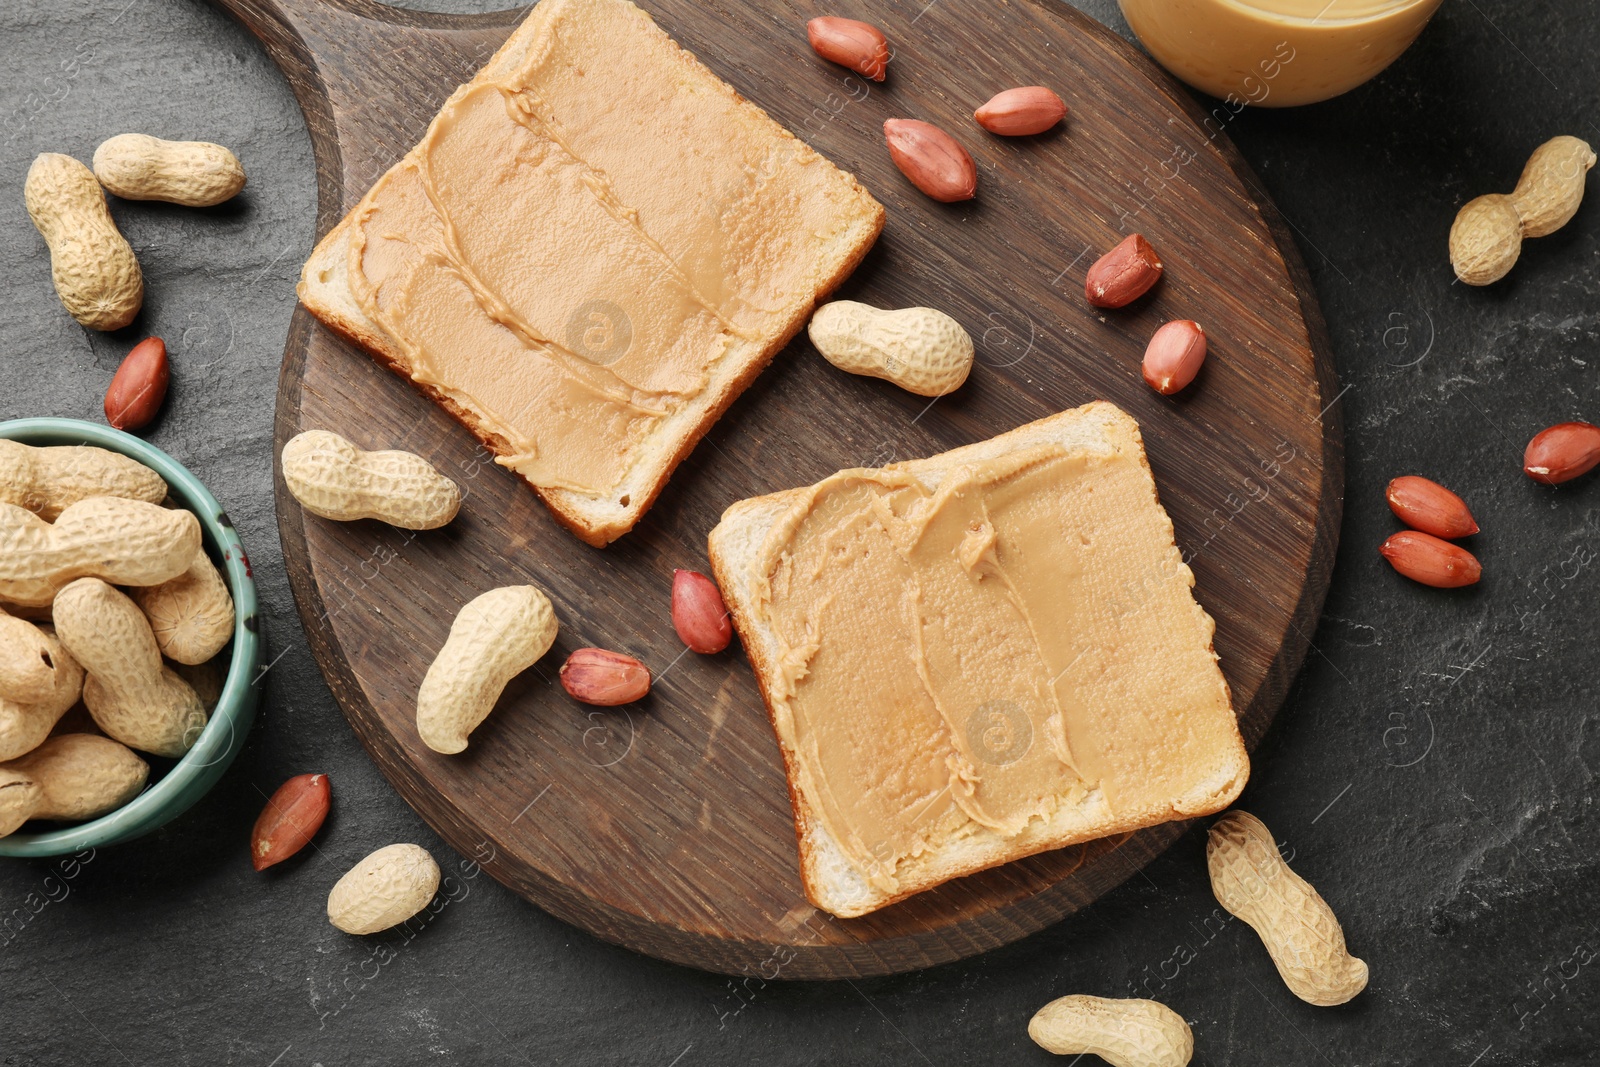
831 883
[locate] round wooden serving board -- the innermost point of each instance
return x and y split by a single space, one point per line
665 826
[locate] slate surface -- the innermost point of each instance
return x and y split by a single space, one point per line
1434 770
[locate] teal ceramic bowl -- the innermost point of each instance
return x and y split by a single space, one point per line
189 779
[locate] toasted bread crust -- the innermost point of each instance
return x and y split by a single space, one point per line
765 670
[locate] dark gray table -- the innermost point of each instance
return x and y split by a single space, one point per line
1434 769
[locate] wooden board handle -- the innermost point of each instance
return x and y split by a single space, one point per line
349 61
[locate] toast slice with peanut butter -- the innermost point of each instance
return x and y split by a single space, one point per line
596 247
976 657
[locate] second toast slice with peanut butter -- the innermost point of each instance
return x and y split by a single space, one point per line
975 657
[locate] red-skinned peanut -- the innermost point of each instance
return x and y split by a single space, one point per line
1428 506
290 820
139 387
860 46
931 159
1431 560
1174 356
1562 452
698 613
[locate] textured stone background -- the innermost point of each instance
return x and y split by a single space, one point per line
1434 769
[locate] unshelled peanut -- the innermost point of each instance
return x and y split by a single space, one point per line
25 724
206 679
334 479
385 889
95 271
68 778
133 696
19 799
494 638
1124 1033
27 661
136 166
1304 939
127 542
922 350
46 480
191 615
1486 237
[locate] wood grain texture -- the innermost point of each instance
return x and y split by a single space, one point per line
665 826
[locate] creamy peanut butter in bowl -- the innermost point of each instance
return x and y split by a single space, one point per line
1276 53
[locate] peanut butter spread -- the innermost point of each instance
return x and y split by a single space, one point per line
982 648
584 234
